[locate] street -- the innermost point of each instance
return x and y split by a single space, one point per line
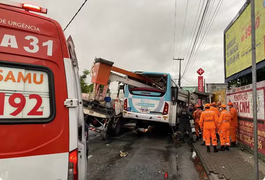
150 156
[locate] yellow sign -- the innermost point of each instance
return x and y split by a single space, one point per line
219 96
238 40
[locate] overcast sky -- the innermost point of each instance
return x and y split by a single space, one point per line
138 34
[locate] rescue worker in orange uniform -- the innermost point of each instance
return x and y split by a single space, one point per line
196 116
213 108
201 128
224 128
208 121
233 124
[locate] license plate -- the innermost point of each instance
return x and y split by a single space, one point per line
145 110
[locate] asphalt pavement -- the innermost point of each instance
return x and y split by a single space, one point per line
151 156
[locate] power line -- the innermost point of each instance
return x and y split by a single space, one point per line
194 28
174 33
209 26
192 80
206 32
75 15
187 6
187 80
197 35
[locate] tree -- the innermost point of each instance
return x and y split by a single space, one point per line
85 88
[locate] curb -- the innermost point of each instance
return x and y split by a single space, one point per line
203 163
205 166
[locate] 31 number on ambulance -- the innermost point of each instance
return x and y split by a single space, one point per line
33 46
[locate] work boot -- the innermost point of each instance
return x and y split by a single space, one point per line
222 148
208 149
227 148
203 144
215 149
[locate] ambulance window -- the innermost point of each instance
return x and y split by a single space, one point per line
26 94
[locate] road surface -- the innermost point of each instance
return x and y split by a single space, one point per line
150 156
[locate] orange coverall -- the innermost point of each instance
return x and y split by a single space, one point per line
208 121
233 124
215 110
224 127
196 116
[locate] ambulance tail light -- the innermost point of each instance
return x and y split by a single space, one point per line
72 168
25 6
165 111
125 105
31 7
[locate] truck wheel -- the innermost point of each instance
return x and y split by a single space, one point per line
116 126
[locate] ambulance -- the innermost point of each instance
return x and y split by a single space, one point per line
42 130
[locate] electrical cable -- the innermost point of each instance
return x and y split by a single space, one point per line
209 26
194 29
205 33
174 33
191 80
188 81
197 35
174 37
75 15
185 17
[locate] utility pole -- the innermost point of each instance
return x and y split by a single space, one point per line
254 88
179 59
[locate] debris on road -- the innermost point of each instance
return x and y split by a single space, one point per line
90 156
123 154
166 175
193 155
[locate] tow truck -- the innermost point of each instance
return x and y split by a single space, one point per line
103 114
151 99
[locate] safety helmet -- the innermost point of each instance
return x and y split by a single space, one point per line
230 104
207 105
223 106
196 106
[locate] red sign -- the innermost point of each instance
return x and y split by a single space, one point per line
200 83
200 71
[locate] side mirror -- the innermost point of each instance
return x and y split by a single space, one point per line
174 95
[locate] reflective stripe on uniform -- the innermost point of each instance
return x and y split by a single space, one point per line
208 120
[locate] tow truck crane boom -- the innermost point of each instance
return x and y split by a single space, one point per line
103 73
